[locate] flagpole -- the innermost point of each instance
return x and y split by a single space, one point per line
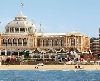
22 5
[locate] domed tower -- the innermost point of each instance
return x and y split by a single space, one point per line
20 25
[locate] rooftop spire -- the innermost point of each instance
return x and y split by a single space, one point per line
40 31
40 25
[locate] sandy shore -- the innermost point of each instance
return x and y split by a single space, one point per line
49 67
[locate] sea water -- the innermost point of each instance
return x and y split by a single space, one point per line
49 75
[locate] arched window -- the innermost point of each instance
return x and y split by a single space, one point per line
24 40
9 40
4 40
20 40
15 40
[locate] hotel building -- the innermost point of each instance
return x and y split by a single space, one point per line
20 35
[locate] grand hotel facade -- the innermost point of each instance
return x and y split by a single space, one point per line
20 34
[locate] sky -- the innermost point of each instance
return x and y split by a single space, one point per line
61 16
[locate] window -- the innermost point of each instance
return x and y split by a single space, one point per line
49 42
31 44
4 40
31 40
11 29
15 40
62 42
44 42
20 40
40 42
24 40
22 29
9 40
16 29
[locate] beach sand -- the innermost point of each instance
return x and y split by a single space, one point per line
49 67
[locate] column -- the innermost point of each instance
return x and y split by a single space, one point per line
0 52
22 42
34 41
25 29
51 42
60 42
5 52
12 42
69 42
19 30
9 30
14 30
77 41
42 42
81 44
17 41
7 42
27 42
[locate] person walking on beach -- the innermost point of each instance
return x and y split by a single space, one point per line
36 67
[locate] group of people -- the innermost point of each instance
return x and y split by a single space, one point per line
78 66
36 67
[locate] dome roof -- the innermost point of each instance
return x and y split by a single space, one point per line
20 21
20 24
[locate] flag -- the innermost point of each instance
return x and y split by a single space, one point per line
22 4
